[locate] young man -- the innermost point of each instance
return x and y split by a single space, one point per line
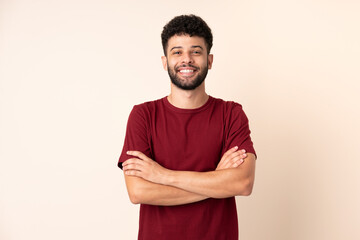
187 155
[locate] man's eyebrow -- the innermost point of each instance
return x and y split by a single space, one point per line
175 47
194 46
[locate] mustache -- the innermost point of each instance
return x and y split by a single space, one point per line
186 65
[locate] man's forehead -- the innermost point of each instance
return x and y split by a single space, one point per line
183 41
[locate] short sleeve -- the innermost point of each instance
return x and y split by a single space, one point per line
237 130
137 137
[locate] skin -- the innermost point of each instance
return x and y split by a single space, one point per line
150 183
184 44
193 61
147 192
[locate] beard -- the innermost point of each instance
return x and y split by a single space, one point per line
187 85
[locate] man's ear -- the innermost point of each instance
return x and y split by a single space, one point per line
210 60
164 62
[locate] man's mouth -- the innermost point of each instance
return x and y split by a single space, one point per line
186 71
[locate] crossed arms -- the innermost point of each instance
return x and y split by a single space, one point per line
148 182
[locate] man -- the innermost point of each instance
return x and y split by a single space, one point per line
187 155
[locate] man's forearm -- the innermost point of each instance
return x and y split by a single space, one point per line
145 192
216 184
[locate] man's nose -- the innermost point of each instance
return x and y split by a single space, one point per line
187 58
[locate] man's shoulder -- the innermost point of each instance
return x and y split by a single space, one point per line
227 105
149 104
147 107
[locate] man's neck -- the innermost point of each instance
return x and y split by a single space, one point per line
188 99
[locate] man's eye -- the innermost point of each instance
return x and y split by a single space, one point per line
196 52
177 52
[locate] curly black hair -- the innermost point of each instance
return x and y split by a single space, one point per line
187 25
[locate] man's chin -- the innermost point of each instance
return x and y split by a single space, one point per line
186 85
187 82
187 76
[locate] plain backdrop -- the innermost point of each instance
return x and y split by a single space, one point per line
71 71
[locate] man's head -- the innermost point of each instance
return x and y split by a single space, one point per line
187 41
187 25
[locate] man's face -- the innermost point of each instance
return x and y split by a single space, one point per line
187 61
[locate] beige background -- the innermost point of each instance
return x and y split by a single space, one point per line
70 72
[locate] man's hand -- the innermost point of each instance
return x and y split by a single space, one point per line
144 167
232 158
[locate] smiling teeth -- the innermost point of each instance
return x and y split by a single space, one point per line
186 71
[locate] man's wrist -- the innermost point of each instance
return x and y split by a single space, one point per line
168 177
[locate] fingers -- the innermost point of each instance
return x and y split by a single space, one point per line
133 161
225 157
133 173
144 167
232 158
137 154
237 155
133 164
230 151
133 167
235 161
